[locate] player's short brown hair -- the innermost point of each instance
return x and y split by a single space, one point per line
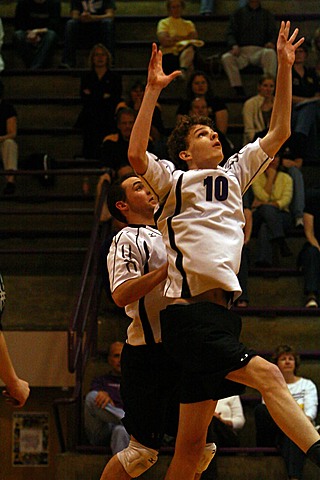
178 140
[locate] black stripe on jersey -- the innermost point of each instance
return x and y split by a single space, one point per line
127 258
147 330
185 291
235 159
114 260
255 175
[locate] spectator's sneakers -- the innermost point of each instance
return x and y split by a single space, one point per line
312 302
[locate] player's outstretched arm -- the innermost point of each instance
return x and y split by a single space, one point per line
279 130
157 80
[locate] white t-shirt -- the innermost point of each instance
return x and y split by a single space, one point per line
305 394
135 251
201 219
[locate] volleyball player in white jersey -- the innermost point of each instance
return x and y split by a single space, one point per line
201 219
137 265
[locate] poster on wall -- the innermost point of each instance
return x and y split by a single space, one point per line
30 439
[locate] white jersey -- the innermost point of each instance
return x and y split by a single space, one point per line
135 251
201 220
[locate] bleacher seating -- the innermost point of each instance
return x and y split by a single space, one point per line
48 102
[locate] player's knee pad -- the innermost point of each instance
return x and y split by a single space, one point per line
137 459
207 455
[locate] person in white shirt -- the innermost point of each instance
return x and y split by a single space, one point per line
227 421
305 394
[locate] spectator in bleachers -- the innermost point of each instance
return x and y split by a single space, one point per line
309 257
257 110
251 38
104 407
1 43
114 149
100 91
177 39
306 107
316 50
256 117
36 25
199 86
207 6
115 146
157 133
304 392
271 217
91 22
8 145
228 419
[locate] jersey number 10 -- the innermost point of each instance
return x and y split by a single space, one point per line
219 189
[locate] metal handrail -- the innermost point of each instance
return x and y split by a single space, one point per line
82 331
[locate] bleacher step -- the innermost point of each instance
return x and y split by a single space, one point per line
75 466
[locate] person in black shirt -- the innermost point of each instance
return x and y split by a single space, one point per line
306 108
100 91
309 257
251 39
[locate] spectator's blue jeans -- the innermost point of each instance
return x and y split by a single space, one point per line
309 260
99 430
207 6
35 56
75 32
274 224
305 121
298 200
268 434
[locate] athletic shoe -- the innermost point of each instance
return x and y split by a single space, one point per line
312 303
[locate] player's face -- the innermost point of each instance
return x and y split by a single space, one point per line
204 150
138 198
286 363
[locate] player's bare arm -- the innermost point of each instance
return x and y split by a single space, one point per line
279 130
132 290
157 80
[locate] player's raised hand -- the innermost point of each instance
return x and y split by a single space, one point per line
286 47
156 75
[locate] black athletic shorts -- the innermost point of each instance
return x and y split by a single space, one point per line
204 339
150 393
